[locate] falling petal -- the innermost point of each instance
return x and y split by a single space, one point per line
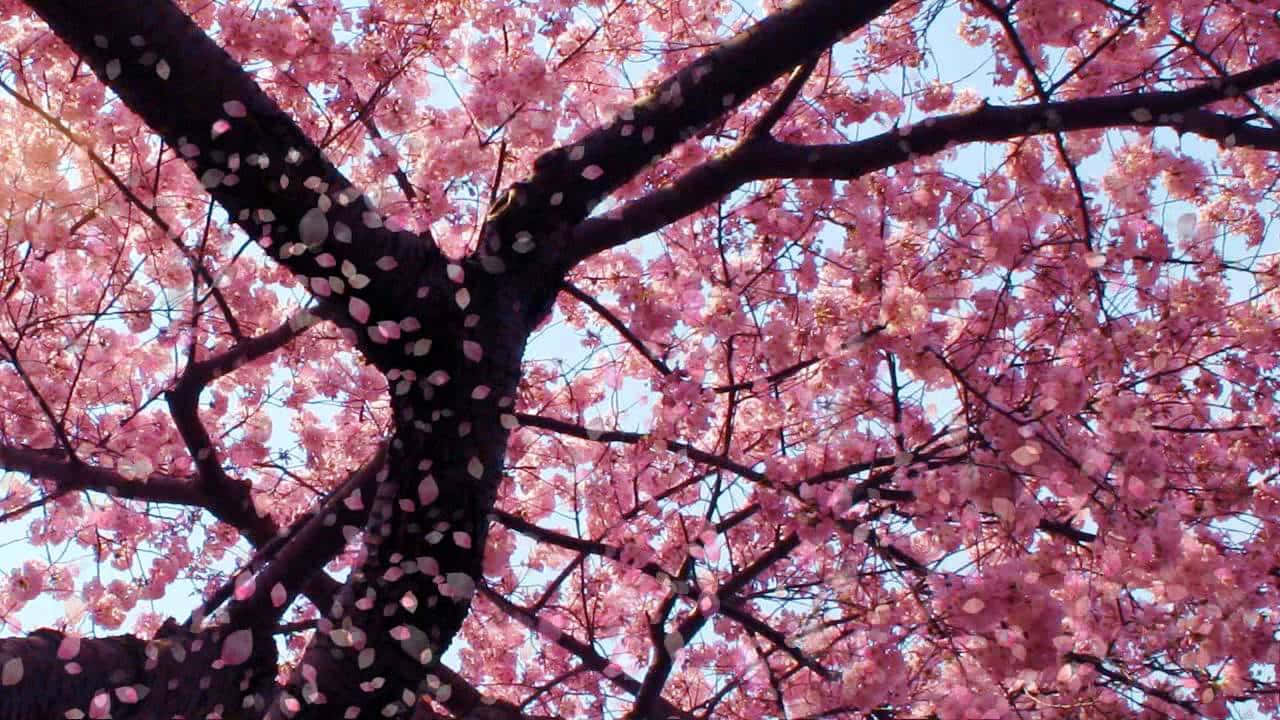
313 228
11 673
237 648
359 310
244 587
69 647
428 491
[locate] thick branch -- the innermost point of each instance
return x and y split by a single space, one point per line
52 675
315 540
205 371
294 564
761 158
255 161
922 453
68 476
778 108
45 688
568 181
230 500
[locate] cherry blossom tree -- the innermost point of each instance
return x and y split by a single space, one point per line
501 359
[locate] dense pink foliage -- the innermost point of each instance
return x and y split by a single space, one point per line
985 431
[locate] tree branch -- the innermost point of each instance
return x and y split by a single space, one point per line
664 660
1122 678
197 264
228 499
631 438
617 324
68 476
590 658
761 158
302 552
763 127
730 605
568 181
861 492
103 663
255 161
